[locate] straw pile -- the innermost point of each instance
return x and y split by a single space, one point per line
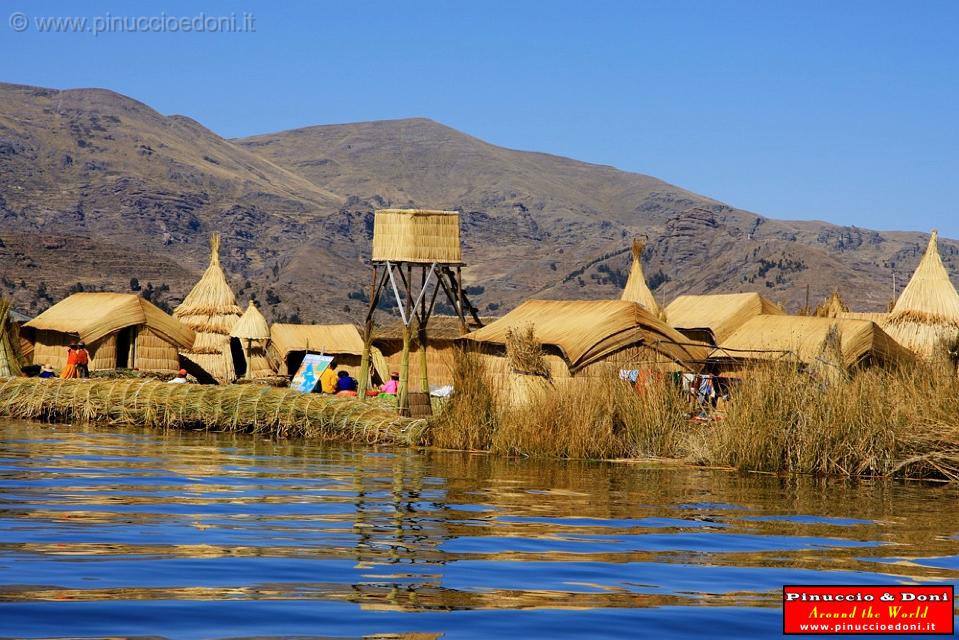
927 312
249 408
525 353
10 356
713 318
416 235
636 289
210 310
253 332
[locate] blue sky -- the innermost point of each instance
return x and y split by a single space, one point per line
840 110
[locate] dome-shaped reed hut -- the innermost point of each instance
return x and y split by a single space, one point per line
253 333
210 310
636 289
927 311
121 330
587 337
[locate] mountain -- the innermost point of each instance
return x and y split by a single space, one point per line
100 191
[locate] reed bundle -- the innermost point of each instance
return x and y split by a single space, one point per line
525 353
248 408
10 357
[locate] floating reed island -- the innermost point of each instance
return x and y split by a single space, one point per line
248 408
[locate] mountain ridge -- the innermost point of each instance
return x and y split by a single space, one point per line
90 171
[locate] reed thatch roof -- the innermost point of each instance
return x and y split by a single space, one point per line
322 338
251 325
210 310
586 331
91 316
927 311
416 235
800 338
879 317
636 289
717 315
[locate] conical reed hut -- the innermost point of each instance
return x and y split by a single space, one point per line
927 312
636 289
10 357
832 306
210 310
253 334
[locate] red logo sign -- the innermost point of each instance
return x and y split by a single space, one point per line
859 609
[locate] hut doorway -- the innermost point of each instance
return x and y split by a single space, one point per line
239 357
126 347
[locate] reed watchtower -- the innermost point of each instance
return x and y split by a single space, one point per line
416 254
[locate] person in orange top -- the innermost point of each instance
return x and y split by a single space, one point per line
82 360
70 370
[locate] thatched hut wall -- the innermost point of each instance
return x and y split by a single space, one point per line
50 347
153 353
442 334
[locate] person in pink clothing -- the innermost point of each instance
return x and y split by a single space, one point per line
392 386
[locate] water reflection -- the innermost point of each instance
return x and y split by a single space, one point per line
105 518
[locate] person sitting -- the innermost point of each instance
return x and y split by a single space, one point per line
392 386
345 382
328 379
46 371
180 377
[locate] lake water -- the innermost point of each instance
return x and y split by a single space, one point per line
195 535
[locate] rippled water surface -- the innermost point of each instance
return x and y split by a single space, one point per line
194 535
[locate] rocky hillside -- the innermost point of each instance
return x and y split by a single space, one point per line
98 191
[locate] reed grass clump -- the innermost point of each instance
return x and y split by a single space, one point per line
901 422
469 418
249 408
